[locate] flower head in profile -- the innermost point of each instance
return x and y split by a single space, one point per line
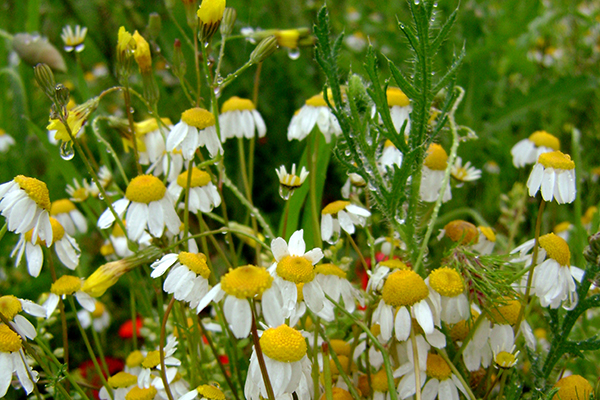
527 151
210 14
73 39
12 360
69 216
442 383
341 215
432 177
68 285
204 195
314 112
196 129
449 288
554 173
11 308
288 183
240 119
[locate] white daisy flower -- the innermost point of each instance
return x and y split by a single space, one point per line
149 206
477 352
69 216
240 119
77 193
443 384
341 215
188 278
11 306
502 342
464 173
151 138
448 288
554 172
196 129
334 284
388 243
68 285
314 112
288 183
432 175
204 392
378 276
99 318
400 109
73 39
152 361
12 360
6 141
178 386
353 186
284 351
527 151
486 242
133 362
121 383
380 386
65 246
25 203
204 195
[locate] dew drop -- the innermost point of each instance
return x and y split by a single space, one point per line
217 91
131 110
219 80
66 150
285 192
294 54
100 196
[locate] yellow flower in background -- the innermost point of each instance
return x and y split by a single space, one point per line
211 11
142 53
126 42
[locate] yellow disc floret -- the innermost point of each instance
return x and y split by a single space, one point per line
237 104
66 284
283 344
556 160
196 262
122 380
134 359
61 206
573 387
9 340
488 233
556 248
394 263
199 178
404 288
437 158
437 368
295 269
317 101
99 310
36 190
504 359
461 329
152 359
330 269
340 347
58 232
396 97
10 306
338 394
210 392
145 189
463 231
379 382
545 139
138 393
446 281
198 117
246 282
507 313
335 207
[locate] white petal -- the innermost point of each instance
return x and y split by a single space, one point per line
402 325
313 296
35 258
548 181
279 248
156 219
535 179
424 316
296 245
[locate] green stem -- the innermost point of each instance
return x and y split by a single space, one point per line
313 160
100 351
61 308
326 372
186 211
109 147
161 349
128 112
456 372
415 349
315 363
133 318
259 355
3 230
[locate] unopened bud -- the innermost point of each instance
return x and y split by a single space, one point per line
45 78
62 95
592 252
179 66
34 49
154 26
358 93
263 50
229 17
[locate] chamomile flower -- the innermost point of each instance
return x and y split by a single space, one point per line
152 362
486 241
25 203
284 351
442 383
151 142
334 284
188 278
99 318
179 387
73 39
407 293
432 175
77 192
6 141
400 109
507 312
148 205
118 241
527 151
204 195
460 231
11 307
12 360
196 129
121 383
341 215
502 342
380 386
68 285
65 246
477 352
288 183
238 286
204 392
69 216
142 393
554 173
464 173
449 288
573 387
380 273
240 119
314 112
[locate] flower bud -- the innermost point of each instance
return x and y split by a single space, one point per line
179 66
45 78
263 50
592 252
34 49
229 17
154 26
62 95
210 14
142 54
357 93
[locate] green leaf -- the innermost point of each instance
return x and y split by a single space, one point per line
403 82
443 33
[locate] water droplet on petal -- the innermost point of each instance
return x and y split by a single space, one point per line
66 150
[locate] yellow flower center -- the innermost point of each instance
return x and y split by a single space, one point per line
335 207
2 132
404 288
66 284
556 248
237 104
99 310
145 189
544 139
330 269
396 97
199 178
210 392
149 125
589 215
338 394
300 290
379 382
195 262
290 181
460 173
446 281
562 227
317 101
10 306
393 263
344 363
295 269
246 282
283 344
573 387
462 231
57 230
340 347
118 231
211 11
461 329
506 314
9 340
504 359
556 160
80 194
61 206
151 360
134 359
437 368
198 117
488 233
36 190
376 329
122 380
138 393
107 249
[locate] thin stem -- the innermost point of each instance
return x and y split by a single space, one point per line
444 355
128 112
133 318
161 349
61 308
197 65
109 147
315 364
357 249
29 375
259 355
326 372
186 210
3 230
417 370
100 351
313 160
